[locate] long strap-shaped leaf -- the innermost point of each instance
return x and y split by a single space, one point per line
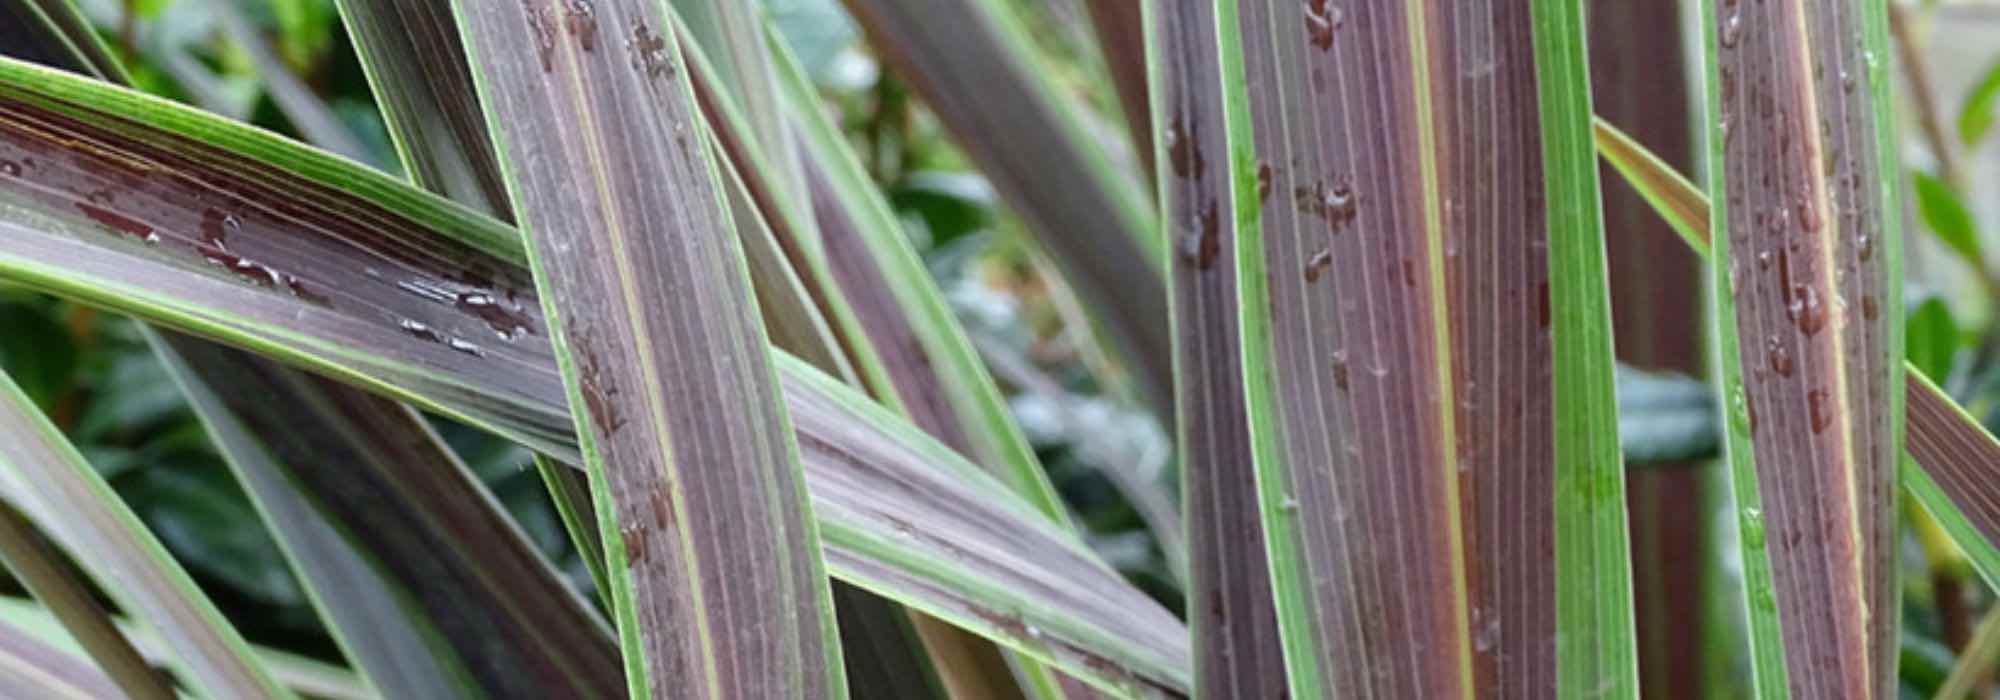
392 330
982 81
1657 312
1808 306
430 587
928 369
690 452
32 668
1346 355
47 479
1957 472
1595 647
307 677
458 639
37 566
411 52
1231 611
1425 307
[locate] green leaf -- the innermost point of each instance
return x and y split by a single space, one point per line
1932 337
1975 119
305 213
1947 217
1801 224
1596 647
46 479
621 206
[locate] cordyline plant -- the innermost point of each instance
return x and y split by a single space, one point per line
1365 277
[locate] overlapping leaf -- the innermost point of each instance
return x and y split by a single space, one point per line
989 93
48 480
1424 304
1956 475
1808 308
424 254
1231 610
431 589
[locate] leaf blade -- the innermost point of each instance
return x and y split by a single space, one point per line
718 491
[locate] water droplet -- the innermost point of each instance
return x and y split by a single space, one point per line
461 345
1740 410
1865 247
1732 29
1780 357
1318 265
1184 150
649 51
1779 220
1290 505
1321 21
1199 248
10 168
1805 309
1764 260
217 226
580 20
1846 81
1335 205
1822 414
506 323
1752 521
1489 635
420 329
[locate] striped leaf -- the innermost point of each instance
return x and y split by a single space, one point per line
416 239
929 370
41 570
32 668
428 585
691 459
415 62
986 88
1808 309
1957 462
1424 306
318 458
43 476
1657 322
1230 606
307 677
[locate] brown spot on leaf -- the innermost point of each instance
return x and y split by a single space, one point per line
1184 149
